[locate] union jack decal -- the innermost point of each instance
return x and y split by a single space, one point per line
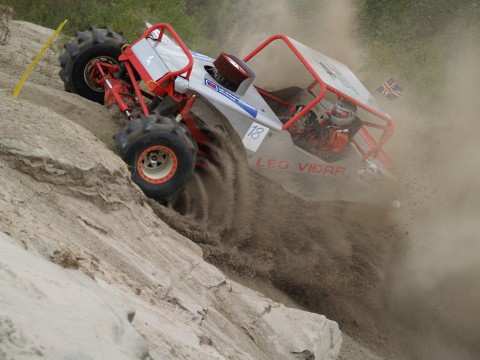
390 89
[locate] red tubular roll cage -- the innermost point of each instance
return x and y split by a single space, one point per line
374 144
165 85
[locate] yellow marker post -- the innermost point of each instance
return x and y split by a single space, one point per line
34 62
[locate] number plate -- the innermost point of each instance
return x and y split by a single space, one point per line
255 136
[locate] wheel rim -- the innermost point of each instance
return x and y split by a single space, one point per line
157 164
91 74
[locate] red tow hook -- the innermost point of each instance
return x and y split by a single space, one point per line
112 90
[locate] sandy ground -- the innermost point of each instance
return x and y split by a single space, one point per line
66 197
240 247
353 263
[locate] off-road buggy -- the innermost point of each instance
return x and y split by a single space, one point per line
175 100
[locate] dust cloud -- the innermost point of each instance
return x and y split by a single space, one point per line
328 257
404 282
436 290
328 26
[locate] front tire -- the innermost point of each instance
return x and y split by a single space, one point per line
160 153
77 71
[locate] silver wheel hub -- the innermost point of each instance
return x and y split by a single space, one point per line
157 164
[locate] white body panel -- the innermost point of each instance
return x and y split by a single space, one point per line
272 153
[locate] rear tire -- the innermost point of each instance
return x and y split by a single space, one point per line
160 153
76 62
218 202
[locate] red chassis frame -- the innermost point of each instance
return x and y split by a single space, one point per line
117 90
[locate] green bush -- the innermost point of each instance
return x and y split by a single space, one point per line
127 16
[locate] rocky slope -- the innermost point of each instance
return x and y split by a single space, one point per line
65 197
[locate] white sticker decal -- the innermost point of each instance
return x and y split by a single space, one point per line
254 136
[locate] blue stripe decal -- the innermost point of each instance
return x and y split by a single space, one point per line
248 108
201 56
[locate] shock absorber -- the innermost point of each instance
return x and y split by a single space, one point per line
112 86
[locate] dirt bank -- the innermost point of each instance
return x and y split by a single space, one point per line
400 281
257 233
